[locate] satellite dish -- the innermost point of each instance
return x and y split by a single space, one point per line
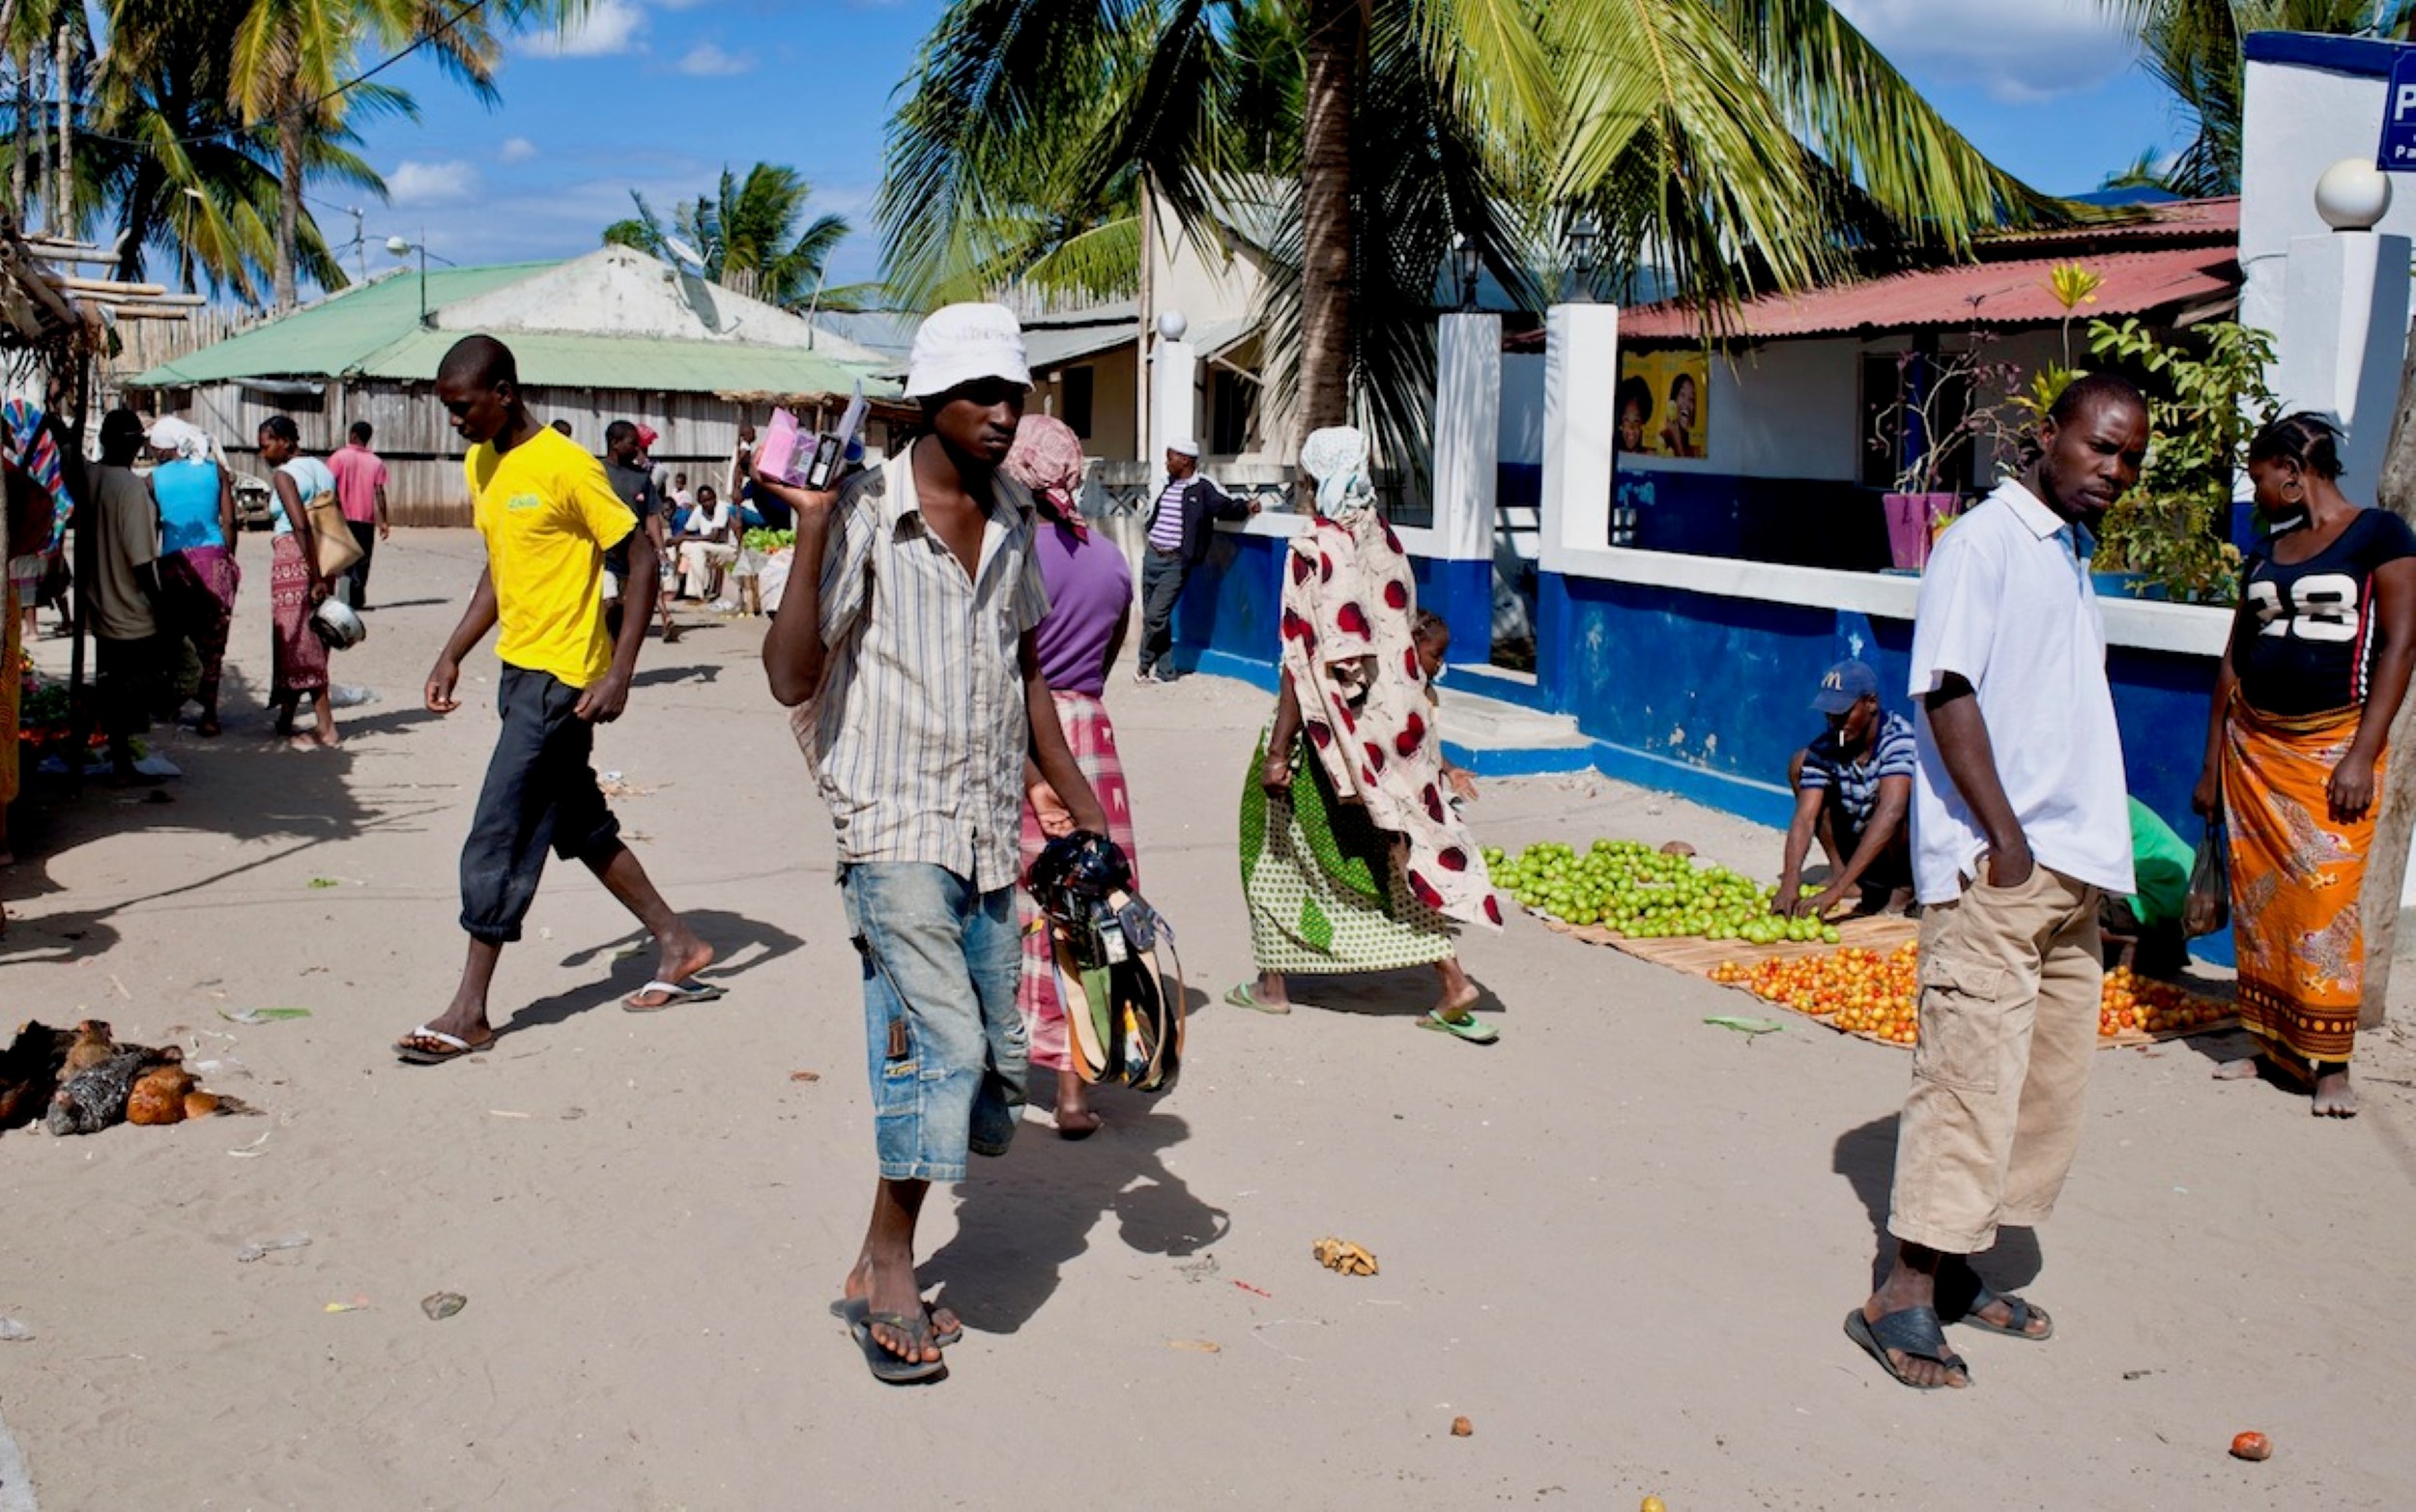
682 251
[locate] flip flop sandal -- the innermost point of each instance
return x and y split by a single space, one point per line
887 1368
455 1047
675 993
1914 1331
2022 1313
1243 996
849 1309
1466 1027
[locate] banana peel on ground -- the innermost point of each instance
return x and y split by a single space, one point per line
1343 1256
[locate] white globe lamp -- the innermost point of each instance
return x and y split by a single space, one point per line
1171 325
2353 195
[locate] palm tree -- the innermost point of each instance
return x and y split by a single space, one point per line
1727 146
186 177
293 60
2193 47
746 233
35 34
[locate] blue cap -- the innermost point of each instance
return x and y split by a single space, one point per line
1843 686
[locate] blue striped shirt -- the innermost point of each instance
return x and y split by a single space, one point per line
920 729
1166 525
1891 754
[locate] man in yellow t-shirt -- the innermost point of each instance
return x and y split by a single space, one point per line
548 516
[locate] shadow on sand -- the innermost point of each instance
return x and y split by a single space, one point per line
739 945
272 803
1024 1217
1866 1157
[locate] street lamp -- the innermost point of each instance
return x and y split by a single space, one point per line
1467 262
398 247
1583 236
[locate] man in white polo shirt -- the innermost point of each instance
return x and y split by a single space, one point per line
2019 822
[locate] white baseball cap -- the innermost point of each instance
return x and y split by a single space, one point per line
1183 448
963 344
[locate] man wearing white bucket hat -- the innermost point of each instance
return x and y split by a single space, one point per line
908 622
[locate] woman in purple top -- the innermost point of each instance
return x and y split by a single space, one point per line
1090 602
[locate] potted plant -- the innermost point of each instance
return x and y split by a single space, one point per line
1936 414
2206 396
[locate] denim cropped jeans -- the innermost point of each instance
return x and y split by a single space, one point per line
946 1050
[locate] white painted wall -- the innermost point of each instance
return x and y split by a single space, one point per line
1788 409
2298 121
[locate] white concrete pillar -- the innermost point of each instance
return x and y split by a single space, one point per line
1467 434
1173 393
1581 374
2343 336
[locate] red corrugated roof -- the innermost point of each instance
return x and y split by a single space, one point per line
2144 273
2193 218
1983 295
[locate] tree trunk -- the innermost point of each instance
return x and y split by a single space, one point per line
1333 47
2386 864
20 161
17 170
63 199
289 139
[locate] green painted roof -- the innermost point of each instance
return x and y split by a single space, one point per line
339 333
373 331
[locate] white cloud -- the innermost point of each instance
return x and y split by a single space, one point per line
433 182
613 26
2018 54
517 149
707 61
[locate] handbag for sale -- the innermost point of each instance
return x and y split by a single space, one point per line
1122 1002
331 536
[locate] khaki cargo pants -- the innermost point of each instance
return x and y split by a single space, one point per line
2008 1010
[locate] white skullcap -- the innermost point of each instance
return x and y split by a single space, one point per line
1186 448
964 344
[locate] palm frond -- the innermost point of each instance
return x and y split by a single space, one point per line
1851 107
1002 95
1100 263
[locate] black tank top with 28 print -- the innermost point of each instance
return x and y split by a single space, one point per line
2308 639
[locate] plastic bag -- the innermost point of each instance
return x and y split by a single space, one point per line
2208 907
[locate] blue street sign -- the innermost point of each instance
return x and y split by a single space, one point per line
2398 153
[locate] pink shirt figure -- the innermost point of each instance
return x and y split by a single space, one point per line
359 476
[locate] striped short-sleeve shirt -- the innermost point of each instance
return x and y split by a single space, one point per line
920 728
1891 754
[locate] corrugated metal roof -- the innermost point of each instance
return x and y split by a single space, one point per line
550 360
337 333
1052 346
1985 295
374 331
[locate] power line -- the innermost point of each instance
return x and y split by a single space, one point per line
305 108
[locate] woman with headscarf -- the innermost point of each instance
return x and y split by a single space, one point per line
298 658
1352 859
1090 602
197 569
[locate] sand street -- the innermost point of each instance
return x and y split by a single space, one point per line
1613 1242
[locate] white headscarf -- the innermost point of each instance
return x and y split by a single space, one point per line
1337 457
186 439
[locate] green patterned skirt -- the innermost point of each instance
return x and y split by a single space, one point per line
1324 885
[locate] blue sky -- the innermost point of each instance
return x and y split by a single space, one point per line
657 95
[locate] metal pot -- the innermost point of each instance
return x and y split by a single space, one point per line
337 625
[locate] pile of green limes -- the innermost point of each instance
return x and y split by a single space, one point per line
1630 887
